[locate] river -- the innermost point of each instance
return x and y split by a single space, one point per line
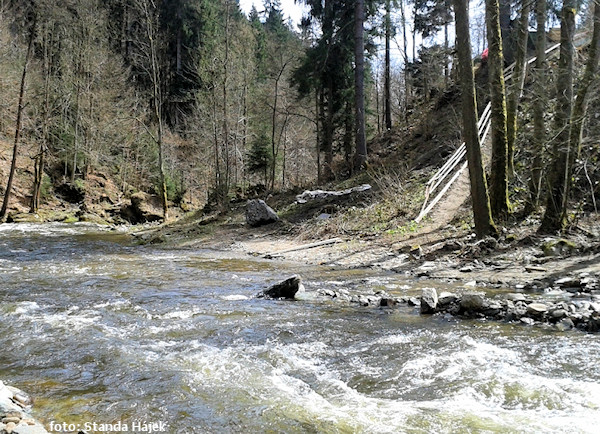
102 331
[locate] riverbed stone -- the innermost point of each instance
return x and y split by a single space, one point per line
568 282
515 296
472 301
258 213
286 289
446 297
527 321
565 324
520 308
20 397
537 309
29 429
429 300
387 302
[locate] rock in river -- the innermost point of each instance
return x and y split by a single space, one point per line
473 302
286 289
429 300
537 309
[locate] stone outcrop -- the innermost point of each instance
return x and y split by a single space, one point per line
258 213
143 208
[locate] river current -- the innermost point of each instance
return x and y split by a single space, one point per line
102 331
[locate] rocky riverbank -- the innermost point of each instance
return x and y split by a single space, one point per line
14 412
571 302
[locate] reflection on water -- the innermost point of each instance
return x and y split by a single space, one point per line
99 330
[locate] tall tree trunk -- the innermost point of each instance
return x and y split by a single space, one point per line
505 29
539 105
274 124
328 136
387 83
179 43
414 35
273 132
446 59
484 225
518 81
76 127
244 133
554 217
359 85
13 165
151 27
407 88
39 162
581 103
223 188
318 117
348 134
378 103
499 166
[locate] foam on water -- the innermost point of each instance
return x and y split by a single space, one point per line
135 332
235 297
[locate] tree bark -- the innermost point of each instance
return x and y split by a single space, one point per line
554 217
539 106
407 89
13 165
504 22
499 166
157 99
581 103
518 82
484 225
318 117
387 84
359 85
39 162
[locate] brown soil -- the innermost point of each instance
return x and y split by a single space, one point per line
446 253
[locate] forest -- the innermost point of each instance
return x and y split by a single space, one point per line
381 217
199 105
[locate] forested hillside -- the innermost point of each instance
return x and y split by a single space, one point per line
192 104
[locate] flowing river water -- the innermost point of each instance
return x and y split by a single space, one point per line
100 330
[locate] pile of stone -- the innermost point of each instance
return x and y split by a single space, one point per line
581 284
14 417
564 314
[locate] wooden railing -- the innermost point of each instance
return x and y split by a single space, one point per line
456 163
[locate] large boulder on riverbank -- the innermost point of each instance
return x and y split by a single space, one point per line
286 289
258 213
